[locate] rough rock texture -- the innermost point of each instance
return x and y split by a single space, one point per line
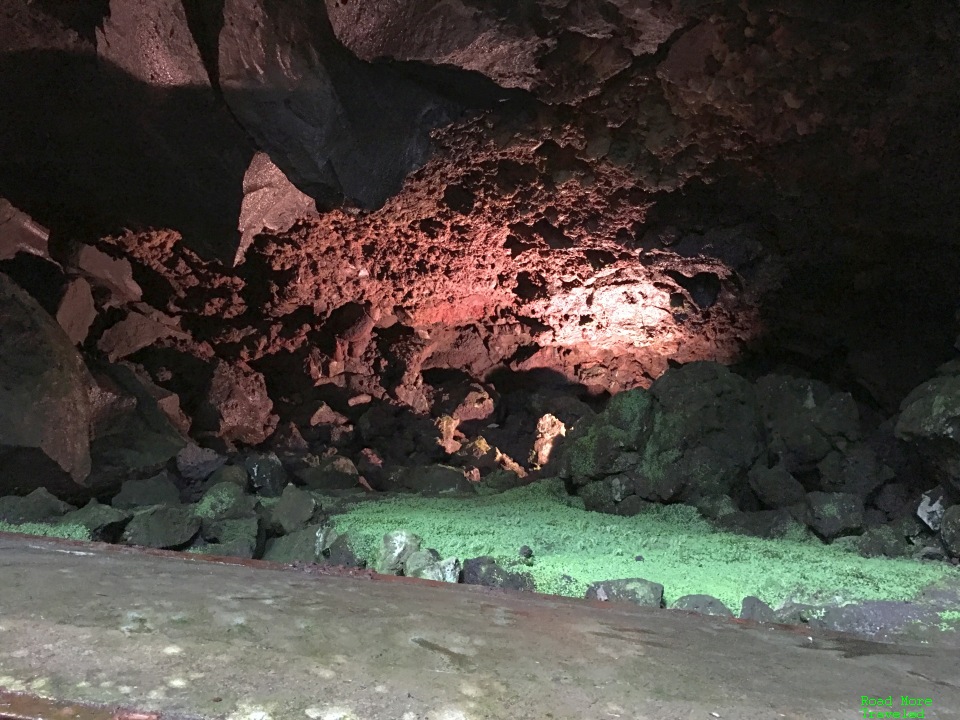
45 411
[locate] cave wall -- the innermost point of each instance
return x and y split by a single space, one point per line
593 188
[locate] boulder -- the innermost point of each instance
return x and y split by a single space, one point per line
237 407
930 421
45 412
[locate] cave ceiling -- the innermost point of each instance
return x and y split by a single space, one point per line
354 194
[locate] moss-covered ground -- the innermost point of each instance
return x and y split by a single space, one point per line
573 547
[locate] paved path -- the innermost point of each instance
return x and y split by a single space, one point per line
190 638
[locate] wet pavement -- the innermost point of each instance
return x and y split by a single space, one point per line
137 633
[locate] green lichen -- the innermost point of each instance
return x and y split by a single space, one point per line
65 531
573 548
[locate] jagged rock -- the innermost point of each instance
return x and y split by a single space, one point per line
427 565
76 311
314 544
835 514
397 547
806 420
703 604
333 473
270 202
225 501
21 233
632 590
436 480
929 417
133 333
760 523
549 428
162 527
132 440
893 499
112 274
237 407
267 473
950 530
883 542
156 490
45 413
486 571
104 522
240 537
294 510
371 128
233 474
753 608
775 487
853 470
38 506
197 463
931 508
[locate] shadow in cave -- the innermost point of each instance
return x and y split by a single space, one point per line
88 149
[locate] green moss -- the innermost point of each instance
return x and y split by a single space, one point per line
680 550
65 531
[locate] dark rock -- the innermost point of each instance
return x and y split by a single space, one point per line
340 552
76 311
437 480
233 474
21 233
929 417
156 490
486 571
131 441
883 542
632 590
753 608
853 470
287 439
105 523
893 499
225 501
329 121
45 413
950 530
703 604
294 510
775 487
241 537
267 474
762 523
38 506
162 527
197 463
333 473
835 514
805 419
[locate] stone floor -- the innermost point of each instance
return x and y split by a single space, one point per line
114 632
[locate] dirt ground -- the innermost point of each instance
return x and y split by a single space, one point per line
158 632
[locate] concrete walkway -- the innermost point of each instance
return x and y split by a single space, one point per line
89 623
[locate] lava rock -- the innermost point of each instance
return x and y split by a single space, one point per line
703 604
487 572
755 609
333 473
928 420
105 523
162 527
38 506
157 490
835 514
225 501
237 407
294 510
950 530
775 487
197 463
397 547
45 412
632 590
267 474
